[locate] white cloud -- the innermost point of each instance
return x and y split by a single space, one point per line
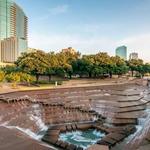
59 9
140 44
84 45
93 44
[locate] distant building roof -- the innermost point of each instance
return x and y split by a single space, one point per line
133 56
30 50
69 49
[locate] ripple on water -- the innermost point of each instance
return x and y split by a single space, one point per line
82 138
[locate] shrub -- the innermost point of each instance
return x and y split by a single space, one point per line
24 77
14 78
2 76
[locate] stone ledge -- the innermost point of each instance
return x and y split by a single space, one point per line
98 147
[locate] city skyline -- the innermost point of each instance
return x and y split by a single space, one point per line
96 26
13 31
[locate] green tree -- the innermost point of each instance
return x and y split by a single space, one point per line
135 65
34 63
52 64
81 67
119 66
65 60
9 69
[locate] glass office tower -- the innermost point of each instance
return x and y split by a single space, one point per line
122 52
13 26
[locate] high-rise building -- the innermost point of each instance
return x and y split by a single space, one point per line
122 52
13 31
133 56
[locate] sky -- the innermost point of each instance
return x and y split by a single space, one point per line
89 26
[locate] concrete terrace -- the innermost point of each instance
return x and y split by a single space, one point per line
117 105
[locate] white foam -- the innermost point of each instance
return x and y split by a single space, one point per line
106 94
36 116
80 139
142 131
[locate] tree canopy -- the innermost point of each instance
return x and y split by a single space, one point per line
67 64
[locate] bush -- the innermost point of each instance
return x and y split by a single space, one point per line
14 78
24 77
19 77
2 76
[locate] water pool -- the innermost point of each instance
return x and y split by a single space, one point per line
82 139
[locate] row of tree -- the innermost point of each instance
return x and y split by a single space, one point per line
67 64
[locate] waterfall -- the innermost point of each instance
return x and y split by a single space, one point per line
35 115
143 129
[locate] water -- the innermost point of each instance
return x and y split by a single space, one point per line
34 115
82 139
142 130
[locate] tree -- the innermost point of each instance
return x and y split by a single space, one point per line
97 71
119 66
65 60
143 69
135 65
99 64
52 64
34 63
81 67
9 69
89 61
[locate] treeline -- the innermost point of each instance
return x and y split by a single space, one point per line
67 64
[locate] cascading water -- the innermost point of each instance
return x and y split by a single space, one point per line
35 116
143 129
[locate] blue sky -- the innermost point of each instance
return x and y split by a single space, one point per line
89 26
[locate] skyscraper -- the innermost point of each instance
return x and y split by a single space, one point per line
13 31
122 52
133 56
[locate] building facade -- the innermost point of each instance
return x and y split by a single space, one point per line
13 31
70 50
133 56
122 52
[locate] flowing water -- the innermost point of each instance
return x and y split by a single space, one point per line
82 138
35 116
142 130
32 119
